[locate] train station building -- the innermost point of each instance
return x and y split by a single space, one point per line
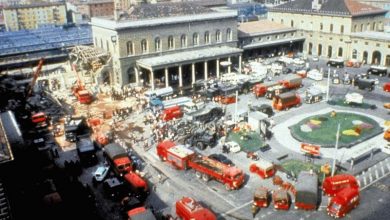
168 44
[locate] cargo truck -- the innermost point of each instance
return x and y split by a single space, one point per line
159 93
281 199
286 100
274 91
344 201
118 158
86 151
262 168
334 184
261 88
260 198
306 191
138 186
206 168
189 209
291 82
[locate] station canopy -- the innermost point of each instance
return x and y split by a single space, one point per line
188 57
273 43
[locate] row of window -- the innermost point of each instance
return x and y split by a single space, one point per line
183 41
363 27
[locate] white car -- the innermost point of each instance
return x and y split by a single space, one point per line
315 74
298 61
315 59
101 173
233 146
354 98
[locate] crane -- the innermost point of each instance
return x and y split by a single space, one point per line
79 90
35 77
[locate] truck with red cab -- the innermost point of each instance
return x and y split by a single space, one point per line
39 119
281 200
262 168
291 82
139 187
334 184
285 101
118 158
344 201
306 196
171 113
140 213
189 209
260 198
261 88
206 168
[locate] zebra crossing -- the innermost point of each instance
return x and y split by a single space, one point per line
374 174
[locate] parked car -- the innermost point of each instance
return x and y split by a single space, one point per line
315 58
339 63
101 173
221 158
233 146
264 108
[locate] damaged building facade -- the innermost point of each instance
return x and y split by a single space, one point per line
169 44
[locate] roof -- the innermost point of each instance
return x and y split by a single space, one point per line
35 5
273 42
187 56
95 2
329 7
307 182
208 3
374 35
261 27
169 9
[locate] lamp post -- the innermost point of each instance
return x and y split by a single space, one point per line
328 86
336 148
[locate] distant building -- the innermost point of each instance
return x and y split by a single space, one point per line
333 28
95 8
168 44
20 17
262 38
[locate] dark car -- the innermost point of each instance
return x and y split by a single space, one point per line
221 158
264 108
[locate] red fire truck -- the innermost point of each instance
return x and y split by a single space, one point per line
344 201
334 184
205 168
39 119
189 209
171 113
261 89
281 200
262 168
286 101
386 87
118 158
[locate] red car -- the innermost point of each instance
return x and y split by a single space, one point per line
386 87
281 200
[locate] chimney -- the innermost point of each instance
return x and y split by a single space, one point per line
316 4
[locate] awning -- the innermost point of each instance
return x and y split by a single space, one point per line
188 57
272 43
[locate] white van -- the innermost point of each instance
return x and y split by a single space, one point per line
314 74
159 92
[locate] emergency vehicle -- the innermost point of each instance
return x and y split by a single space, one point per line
262 168
260 198
344 201
281 200
171 113
189 209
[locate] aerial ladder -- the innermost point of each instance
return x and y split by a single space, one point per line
35 77
82 94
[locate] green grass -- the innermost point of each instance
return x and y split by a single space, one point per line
296 166
252 144
325 134
341 102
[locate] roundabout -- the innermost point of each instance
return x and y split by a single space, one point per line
359 132
321 129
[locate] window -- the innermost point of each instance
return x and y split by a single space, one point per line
292 34
340 54
144 46
229 34
378 45
342 29
207 37
96 42
107 45
195 39
260 39
368 27
319 49
218 36
130 48
277 37
354 54
373 28
282 21
321 27
355 28
183 40
362 27
331 28
171 44
157 44
366 43
355 41
101 43
341 39
310 48
292 23
268 38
